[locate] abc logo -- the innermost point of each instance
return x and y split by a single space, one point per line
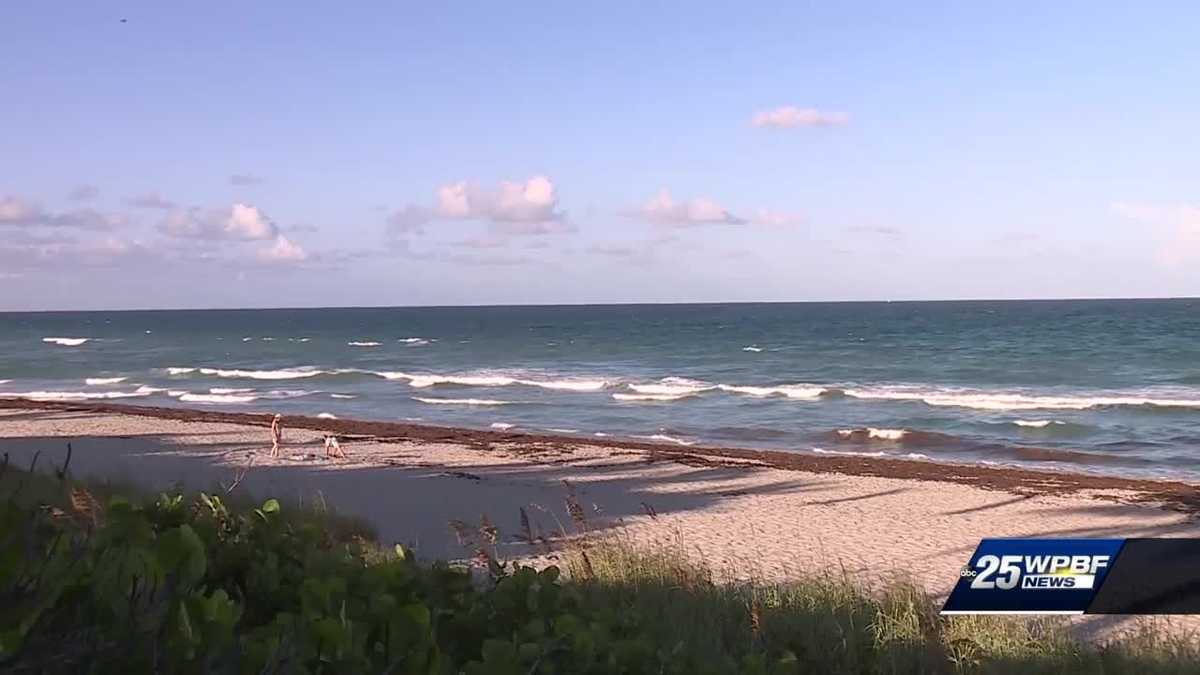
967 573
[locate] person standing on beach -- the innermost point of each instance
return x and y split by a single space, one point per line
276 434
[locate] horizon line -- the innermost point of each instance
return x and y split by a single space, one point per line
605 304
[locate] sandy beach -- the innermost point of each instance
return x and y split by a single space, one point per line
745 512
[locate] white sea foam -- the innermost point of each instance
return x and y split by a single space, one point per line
267 339
414 341
71 395
600 434
217 398
797 391
148 390
342 396
98 381
5 381
667 439
231 390
303 339
247 339
176 393
502 426
1020 401
327 416
422 381
66 341
364 343
649 397
288 393
282 374
562 431
673 386
880 434
175 370
847 453
752 349
1035 424
461 401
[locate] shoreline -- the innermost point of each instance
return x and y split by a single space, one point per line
1170 494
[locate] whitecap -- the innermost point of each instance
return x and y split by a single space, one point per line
414 341
879 434
217 398
502 426
673 386
461 401
98 381
342 396
303 339
326 416
649 397
562 431
230 390
247 339
267 339
666 438
5 381
600 434
752 349
282 374
175 370
66 341
796 391
364 343
983 400
288 393
147 390
1035 424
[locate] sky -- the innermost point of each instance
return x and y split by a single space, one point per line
170 155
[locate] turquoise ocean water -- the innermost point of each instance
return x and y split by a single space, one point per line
1107 386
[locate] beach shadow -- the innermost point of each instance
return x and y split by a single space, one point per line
414 504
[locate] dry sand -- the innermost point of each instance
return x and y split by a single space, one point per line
739 514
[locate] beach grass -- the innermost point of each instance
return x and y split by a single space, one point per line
830 622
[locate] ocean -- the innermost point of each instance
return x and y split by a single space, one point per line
1109 386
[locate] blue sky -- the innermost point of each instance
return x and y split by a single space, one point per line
266 154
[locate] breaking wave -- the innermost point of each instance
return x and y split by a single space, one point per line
461 401
667 439
98 381
364 344
649 397
502 426
66 341
283 374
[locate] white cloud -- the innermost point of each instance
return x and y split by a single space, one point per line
664 210
239 222
513 207
283 250
21 212
790 116
1177 224
17 211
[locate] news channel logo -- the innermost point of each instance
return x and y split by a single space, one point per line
1032 576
